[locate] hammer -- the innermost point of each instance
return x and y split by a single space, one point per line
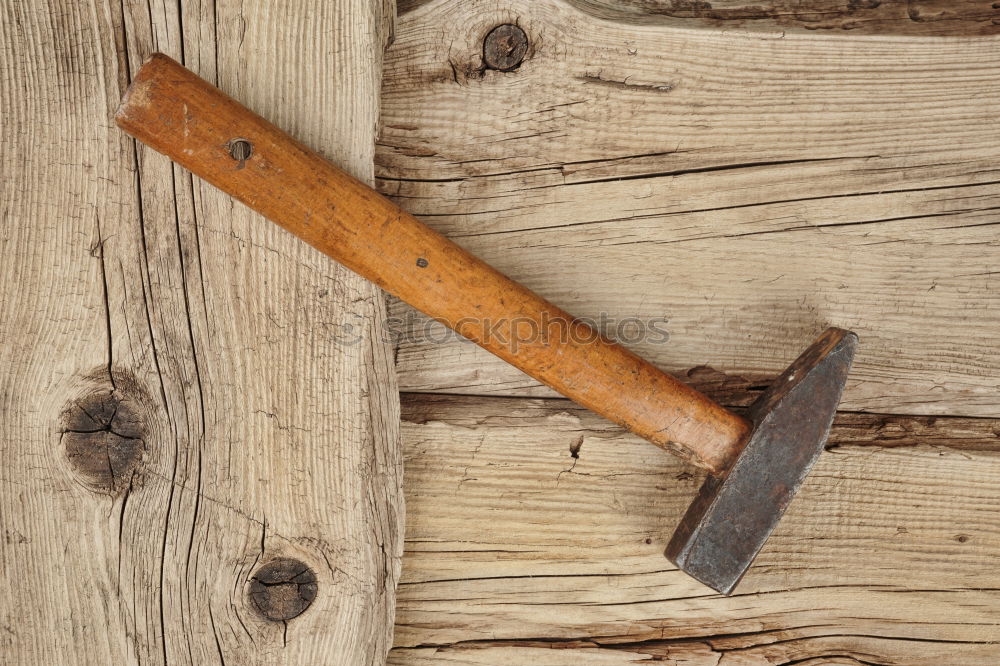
755 464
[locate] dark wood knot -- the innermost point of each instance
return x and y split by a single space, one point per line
283 588
103 438
505 47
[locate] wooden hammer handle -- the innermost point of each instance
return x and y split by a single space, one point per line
202 129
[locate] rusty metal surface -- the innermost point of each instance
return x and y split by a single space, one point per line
728 523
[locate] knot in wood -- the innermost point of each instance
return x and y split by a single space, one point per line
283 588
505 47
103 436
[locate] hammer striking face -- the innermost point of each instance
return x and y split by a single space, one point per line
757 463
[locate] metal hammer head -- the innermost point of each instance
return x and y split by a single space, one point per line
728 523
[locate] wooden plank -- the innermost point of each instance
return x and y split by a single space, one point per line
932 18
742 189
535 527
833 651
868 17
190 393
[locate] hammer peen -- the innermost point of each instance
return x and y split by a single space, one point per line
755 464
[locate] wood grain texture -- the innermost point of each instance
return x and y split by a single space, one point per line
747 189
188 391
928 18
535 533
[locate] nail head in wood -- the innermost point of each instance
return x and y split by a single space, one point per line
283 588
505 47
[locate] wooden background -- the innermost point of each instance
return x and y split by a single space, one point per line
189 393
749 176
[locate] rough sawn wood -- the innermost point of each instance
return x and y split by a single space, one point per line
744 188
535 534
188 391
744 181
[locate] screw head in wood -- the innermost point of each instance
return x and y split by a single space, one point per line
505 47
283 588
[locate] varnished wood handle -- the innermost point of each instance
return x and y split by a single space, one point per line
202 129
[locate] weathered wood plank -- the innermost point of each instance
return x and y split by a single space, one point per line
748 188
831 651
870 17
65 172
534 526
190 393
933 18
